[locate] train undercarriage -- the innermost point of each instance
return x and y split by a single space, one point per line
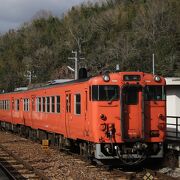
130 153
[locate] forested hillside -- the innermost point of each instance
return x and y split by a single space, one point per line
113 32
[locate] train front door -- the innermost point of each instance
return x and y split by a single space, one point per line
132 112
68 115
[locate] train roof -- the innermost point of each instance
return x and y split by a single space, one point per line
49 85
62 82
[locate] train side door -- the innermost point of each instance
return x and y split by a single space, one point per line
86 120
68 116
132 112
32 109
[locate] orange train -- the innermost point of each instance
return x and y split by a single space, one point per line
110 116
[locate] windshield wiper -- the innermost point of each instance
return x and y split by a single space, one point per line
111 100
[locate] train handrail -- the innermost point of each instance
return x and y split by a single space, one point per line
176 124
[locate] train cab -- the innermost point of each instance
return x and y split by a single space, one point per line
128 114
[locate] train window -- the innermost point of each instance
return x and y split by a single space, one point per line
156 93
26 104
52 104
131 95
57 104
47 104
105 93
43 104
4 104
8 104
17 104
38 104
77 104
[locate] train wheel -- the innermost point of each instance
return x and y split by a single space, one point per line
83 148
61 142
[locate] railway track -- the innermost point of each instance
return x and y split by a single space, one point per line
131 173
17 169
59 165
15 165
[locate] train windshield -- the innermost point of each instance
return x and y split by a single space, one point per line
105 93
156 93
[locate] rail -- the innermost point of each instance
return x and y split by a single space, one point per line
16 168
173 127
6 172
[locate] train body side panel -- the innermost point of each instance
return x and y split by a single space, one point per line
153 112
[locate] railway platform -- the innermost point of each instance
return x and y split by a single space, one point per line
173 115
173 135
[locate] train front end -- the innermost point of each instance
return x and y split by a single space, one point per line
128 115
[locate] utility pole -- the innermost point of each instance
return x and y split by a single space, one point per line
76 59
153 63
28 75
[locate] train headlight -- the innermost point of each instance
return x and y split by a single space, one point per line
106 77
157 78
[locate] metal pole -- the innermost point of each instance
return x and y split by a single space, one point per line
30 77
117 67
75 58
76 64
153 63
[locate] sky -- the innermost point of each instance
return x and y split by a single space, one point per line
13 13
